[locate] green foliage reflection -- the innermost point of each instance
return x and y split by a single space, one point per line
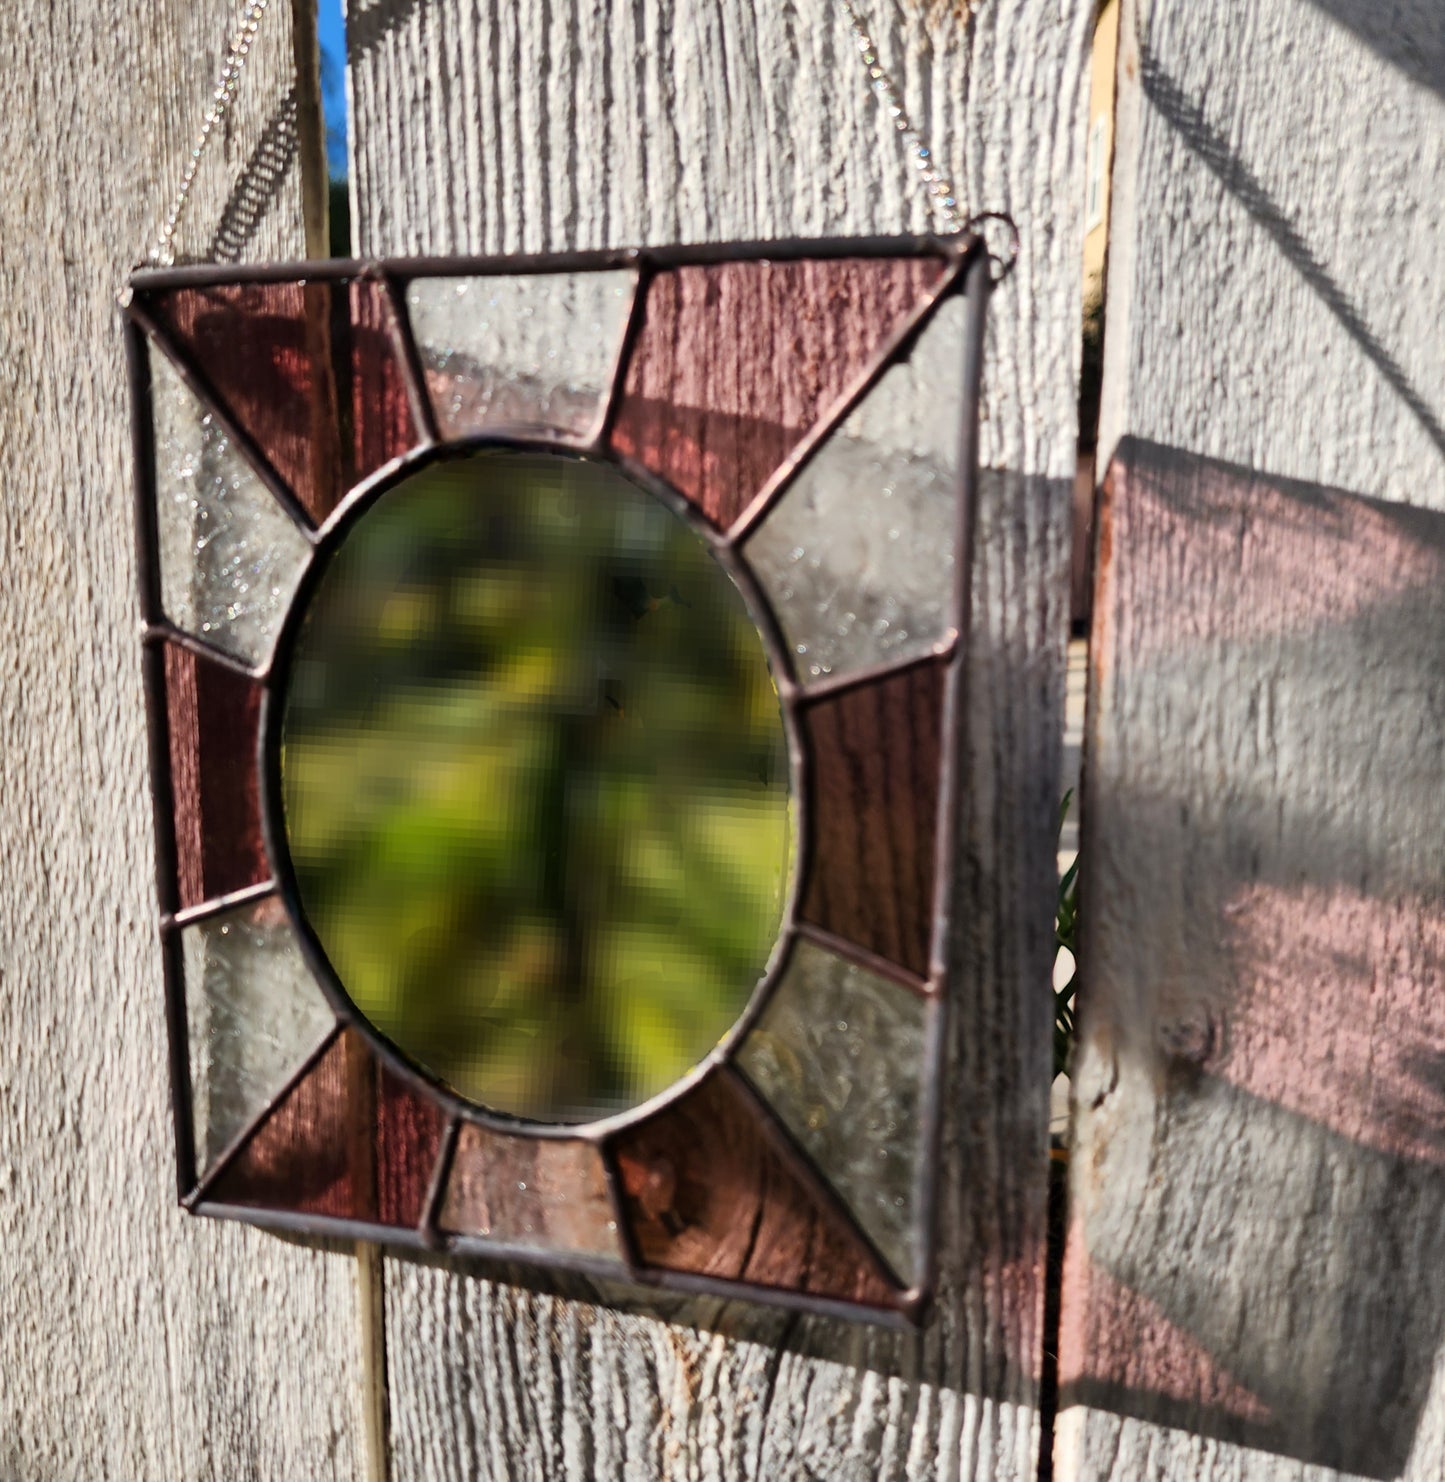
535 784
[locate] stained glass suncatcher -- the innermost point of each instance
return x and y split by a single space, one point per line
554 670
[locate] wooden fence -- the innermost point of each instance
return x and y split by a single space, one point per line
1253 1284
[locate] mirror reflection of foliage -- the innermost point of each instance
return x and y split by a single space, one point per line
536 784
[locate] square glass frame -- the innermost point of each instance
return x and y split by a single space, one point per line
736 376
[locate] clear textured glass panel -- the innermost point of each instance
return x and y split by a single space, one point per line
253 1014
735 362
706 1191
857 557
540 1192
534 351
348 1140
230 556
535 783
838 1053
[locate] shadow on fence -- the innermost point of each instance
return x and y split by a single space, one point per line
1260 1177
1186 115
985 1338
1409 36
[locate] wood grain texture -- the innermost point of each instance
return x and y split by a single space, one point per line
1251 1285
876 753
704 1192
1274 241
136 1342
735 363
556 124
307 370
349 1140
212 717
1252 1279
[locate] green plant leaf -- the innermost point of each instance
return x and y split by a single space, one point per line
1066 924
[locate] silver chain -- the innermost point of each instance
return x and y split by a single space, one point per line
935 182
242 39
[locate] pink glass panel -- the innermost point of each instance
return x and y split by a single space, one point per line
705 1191
212 715
873 795
349 1140
303 1157
381 419
736 362
287 360
543 1192
408 1137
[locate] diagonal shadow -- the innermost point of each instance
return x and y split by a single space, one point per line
258 184
1260 1175
1319 1348
368 26
1409 34
1187 117
256 187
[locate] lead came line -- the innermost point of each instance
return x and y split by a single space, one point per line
194 377
404 346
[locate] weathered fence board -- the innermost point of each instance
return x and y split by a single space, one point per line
1274 241
1252 1285
133 1342
482 127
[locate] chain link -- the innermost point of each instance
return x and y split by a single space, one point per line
935 183
242 39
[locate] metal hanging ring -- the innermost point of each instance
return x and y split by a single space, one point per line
1002 265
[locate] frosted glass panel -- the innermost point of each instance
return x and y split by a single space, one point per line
550 1195
857 557
838 1053
253 1014
521 351
230 556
